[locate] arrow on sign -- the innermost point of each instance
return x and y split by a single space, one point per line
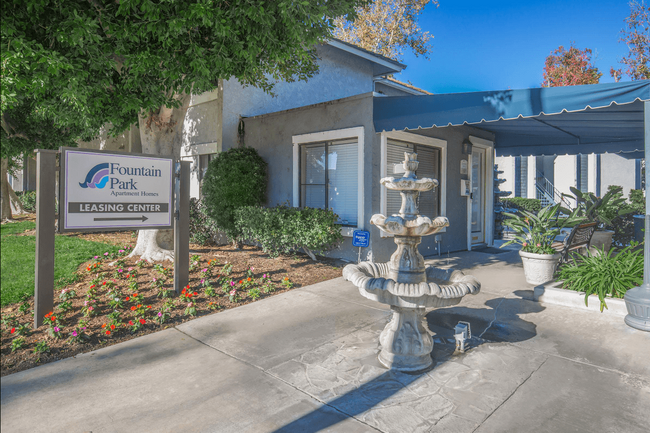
142 218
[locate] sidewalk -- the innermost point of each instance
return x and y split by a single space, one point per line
305 361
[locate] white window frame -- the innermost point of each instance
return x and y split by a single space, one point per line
421 140
337 134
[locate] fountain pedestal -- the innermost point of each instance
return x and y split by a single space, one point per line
406 283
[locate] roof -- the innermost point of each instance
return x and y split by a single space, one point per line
381 65
595 118
409 88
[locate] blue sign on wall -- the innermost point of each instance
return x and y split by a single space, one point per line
360 238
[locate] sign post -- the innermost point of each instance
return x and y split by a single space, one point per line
182 226
45 211
361 239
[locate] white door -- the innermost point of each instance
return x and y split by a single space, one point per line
478 196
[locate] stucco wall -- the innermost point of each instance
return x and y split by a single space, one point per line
340 75
272 136
616 170
507 165
565 174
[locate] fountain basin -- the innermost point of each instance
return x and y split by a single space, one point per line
442 288
398 226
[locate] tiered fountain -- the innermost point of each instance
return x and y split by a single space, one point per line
406 283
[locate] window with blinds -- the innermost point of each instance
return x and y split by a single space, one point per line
582 162
329 178
429 166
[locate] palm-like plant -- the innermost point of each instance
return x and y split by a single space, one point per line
602 210
536 233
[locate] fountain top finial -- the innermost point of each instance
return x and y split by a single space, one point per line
410 164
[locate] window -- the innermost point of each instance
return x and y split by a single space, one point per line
432 155
328 174
204 160
329 178
521 176
429 166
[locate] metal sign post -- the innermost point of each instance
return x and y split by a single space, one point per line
181 225
45 211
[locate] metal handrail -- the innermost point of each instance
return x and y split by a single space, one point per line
550 192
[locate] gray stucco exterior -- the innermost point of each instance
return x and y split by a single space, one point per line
272 135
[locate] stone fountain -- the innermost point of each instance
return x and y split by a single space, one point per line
406 283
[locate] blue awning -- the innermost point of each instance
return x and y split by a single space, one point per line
595 118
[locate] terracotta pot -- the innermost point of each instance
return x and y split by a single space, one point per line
539 268
601 239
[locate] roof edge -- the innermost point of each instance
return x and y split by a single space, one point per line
391 65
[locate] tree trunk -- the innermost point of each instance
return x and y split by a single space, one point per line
4 192
161 133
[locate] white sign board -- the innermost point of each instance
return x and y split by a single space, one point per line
115 191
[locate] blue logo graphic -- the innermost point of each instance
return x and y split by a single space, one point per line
97 177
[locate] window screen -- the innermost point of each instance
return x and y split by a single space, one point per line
329 178
429 166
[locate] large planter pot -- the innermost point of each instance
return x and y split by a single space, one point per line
601 239
539 268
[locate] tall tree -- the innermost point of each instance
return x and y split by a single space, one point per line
569 68
387 27
636 35
120 61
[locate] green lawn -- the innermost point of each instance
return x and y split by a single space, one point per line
17 260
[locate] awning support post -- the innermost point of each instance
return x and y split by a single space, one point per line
637 300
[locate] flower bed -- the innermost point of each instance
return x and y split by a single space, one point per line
116 299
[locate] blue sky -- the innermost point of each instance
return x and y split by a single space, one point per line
501 44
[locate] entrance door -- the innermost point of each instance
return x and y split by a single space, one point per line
478 197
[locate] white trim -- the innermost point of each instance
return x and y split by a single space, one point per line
488 225
337 134
386 82
416 139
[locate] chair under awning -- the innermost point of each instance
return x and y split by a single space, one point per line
595 118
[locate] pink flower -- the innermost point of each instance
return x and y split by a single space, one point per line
120 270
74 333
202 281
204 270
85 303
189 305
264 276
96 257
56 329
130 269
525 244
233 292
160 314
232 283
105 254
539 245
120 251
90 308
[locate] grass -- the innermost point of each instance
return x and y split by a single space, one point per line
18 255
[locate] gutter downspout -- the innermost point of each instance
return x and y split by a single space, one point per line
637 300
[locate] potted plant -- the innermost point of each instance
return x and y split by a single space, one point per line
601 210
535 234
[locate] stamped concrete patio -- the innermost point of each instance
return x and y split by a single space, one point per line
305 361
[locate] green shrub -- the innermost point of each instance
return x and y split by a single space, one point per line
531 205
235 178
28 200
603 274
623 223
282 229
202 229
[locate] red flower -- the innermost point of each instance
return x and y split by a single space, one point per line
108 332
135 294
127 298
249 278
92 286
53 318
133 308
142 321
139 305
148 306
183 291
12 330
195 293
131 322
104 325
112 326
240 281
104 283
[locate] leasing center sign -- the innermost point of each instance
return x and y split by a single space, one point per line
113 191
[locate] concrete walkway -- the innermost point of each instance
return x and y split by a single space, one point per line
305 361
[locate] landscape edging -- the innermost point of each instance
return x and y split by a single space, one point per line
552 294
